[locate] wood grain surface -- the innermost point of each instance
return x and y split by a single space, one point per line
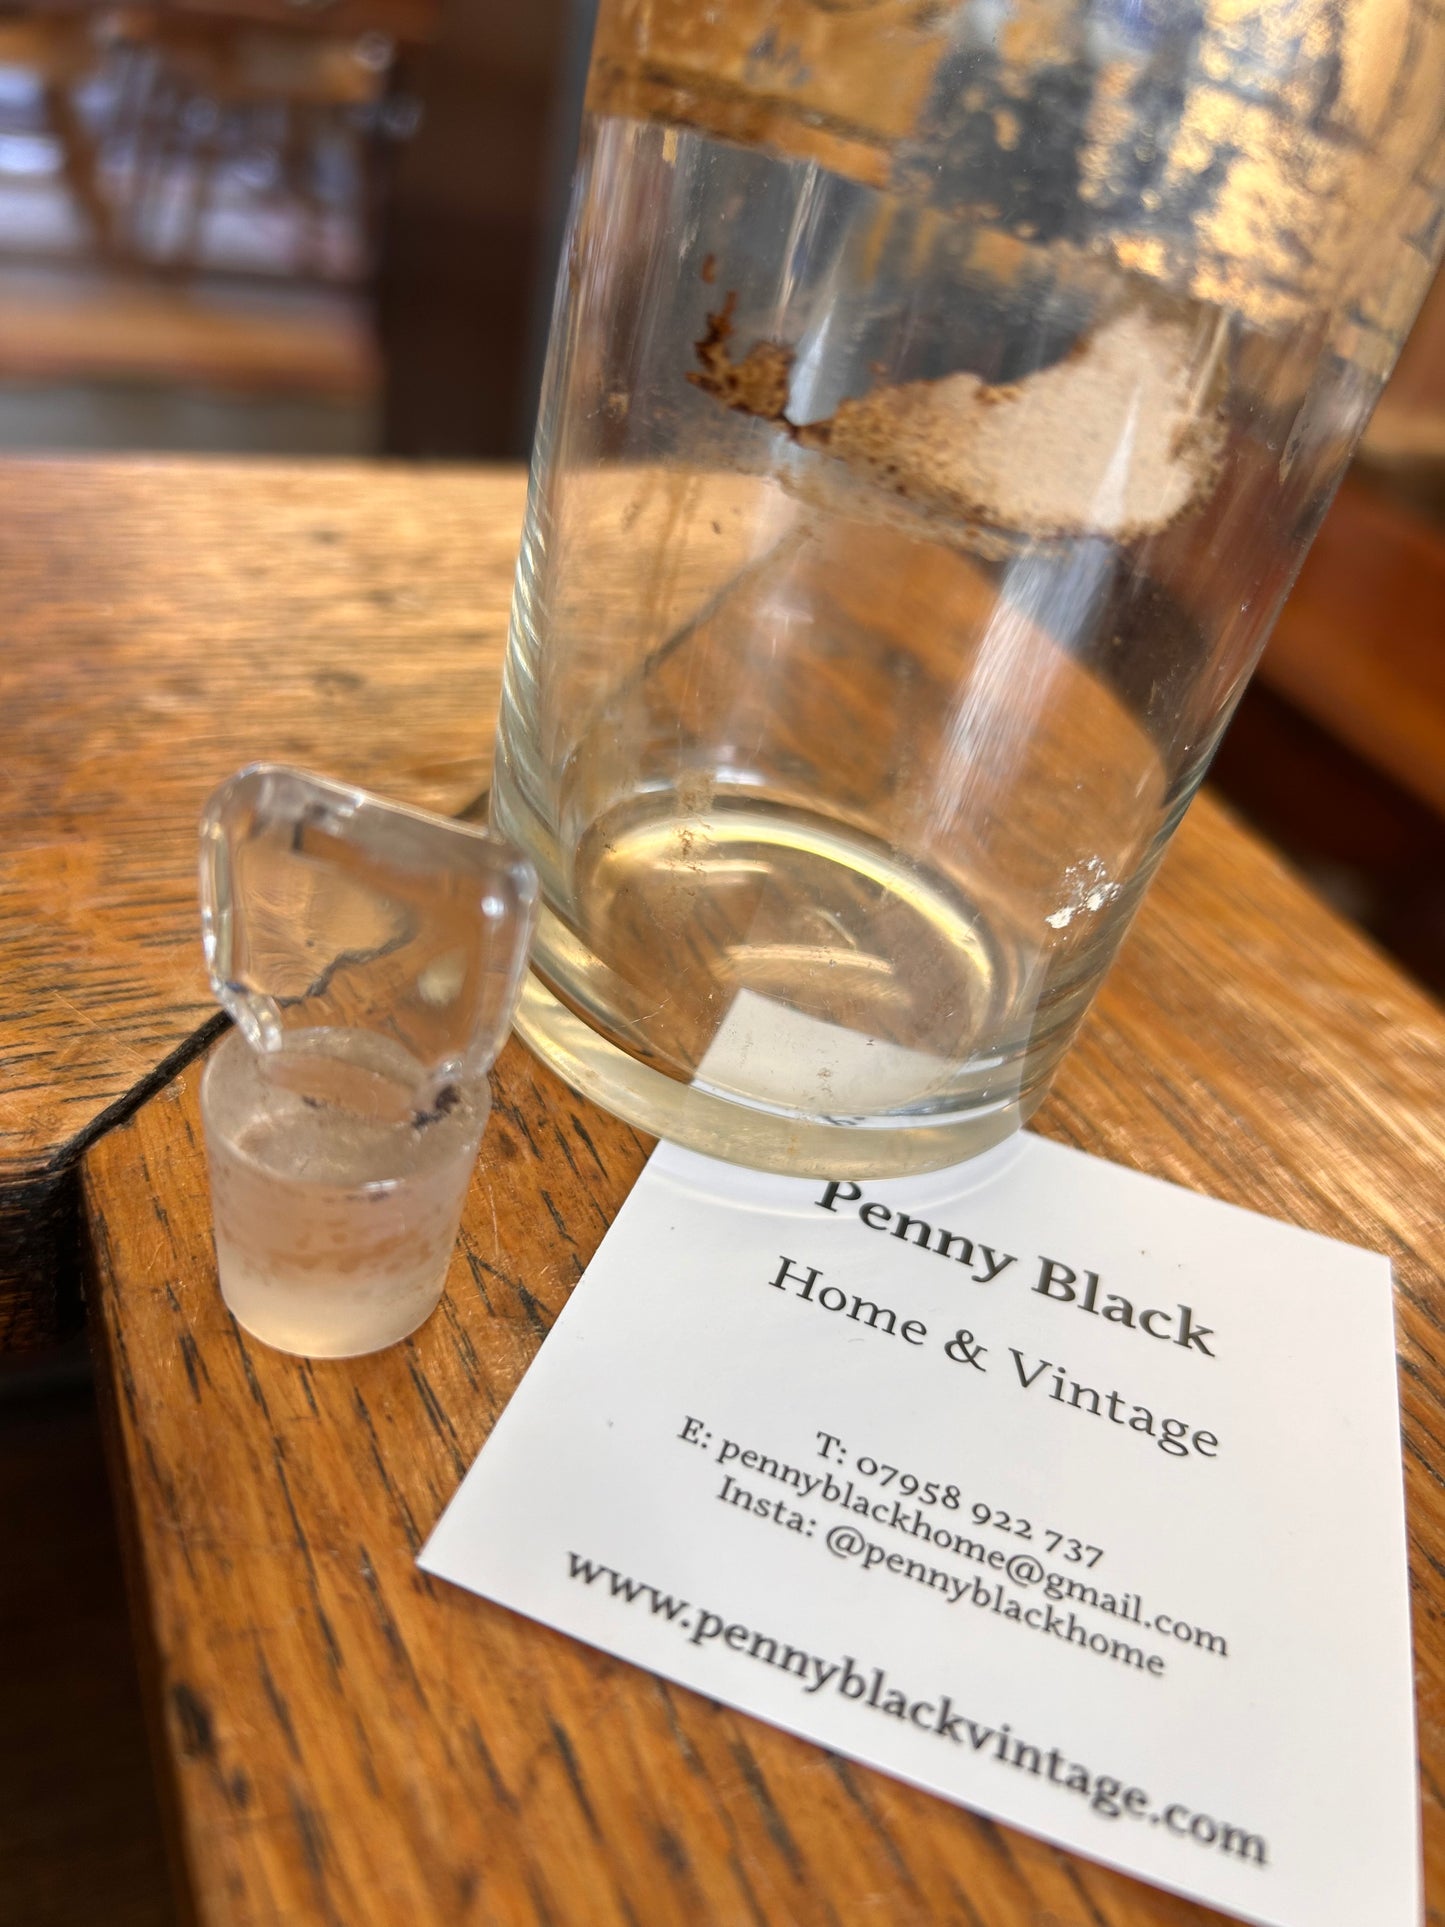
162 623
350 1741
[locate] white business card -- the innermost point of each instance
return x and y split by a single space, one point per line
1064 1492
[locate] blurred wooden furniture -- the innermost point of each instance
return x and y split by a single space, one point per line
1360 646
156 109
58 49
191 220
93 327
410 22
1405 441
472 228
1337 752
346 1739
199 95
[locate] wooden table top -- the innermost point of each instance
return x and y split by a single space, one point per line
165 622
347 1740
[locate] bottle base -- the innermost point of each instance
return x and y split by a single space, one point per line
764 1140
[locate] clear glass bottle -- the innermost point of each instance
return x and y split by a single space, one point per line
939 404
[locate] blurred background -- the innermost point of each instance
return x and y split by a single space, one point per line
290 226
329 227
